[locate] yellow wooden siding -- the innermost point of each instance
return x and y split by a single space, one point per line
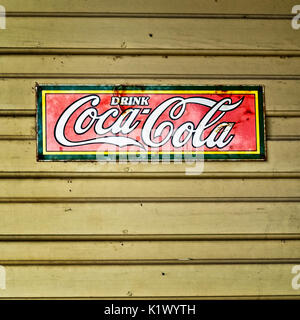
92 230
146 219
154 66
157 189
143 252
148 34
282 95
135 281
151 7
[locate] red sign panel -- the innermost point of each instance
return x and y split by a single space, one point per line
162 122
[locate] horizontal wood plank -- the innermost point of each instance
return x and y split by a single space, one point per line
150 218
149 33
155 280
283 128
155 6
17 127
282 96
34 252
118 188
99 66
20 157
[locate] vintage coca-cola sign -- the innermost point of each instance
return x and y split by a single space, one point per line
117 123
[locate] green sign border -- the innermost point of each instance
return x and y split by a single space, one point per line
152 157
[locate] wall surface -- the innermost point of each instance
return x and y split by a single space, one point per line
88 230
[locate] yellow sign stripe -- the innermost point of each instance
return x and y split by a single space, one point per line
257 151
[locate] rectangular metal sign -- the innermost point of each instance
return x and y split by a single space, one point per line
164 123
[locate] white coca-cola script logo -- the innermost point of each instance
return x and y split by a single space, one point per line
126 122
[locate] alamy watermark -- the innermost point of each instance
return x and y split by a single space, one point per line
192 164
296 18
296 278
2 278
2 17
